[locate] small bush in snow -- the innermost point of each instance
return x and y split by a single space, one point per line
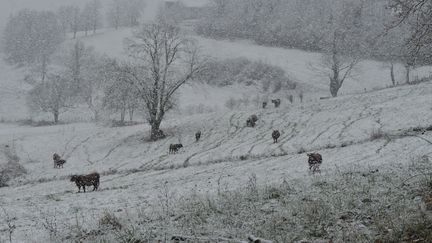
243 71
12 168
110 221
301 150
231 103
377 134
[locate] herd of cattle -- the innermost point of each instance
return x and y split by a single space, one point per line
81 181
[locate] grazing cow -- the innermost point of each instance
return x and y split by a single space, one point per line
276 102
315 160
275 135
86 180
264 105
174 148
56 157
198 135
251 121
58 161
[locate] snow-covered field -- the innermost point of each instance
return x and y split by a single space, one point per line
134 170
301 66
363 128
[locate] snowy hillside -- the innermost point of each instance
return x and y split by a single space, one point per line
301 66
234 183
133 170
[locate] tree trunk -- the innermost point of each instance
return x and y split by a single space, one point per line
44 68
96 115
334 87
407 68
122 115
392 75
56 116
156 133
131 114
335 82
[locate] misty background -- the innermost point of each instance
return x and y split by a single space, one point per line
8 7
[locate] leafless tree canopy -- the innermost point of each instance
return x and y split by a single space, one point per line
166 60
418 15
52 96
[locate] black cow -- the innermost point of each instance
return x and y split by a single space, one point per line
275 135
251 121
174 148
198 136
276 102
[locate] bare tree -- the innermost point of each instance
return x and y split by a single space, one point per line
338 63
168 60
31 37
84 70
342 43
52 96
75 20
10 223
115 14
78 61
417 14
64 15
90 16
125 13
133 11
120 95
86 18
95 6
92 90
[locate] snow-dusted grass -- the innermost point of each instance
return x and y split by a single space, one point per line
208 190
135 172
352 204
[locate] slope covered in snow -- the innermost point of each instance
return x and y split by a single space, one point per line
372 129
301 66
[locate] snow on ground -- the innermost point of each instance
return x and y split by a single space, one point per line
301 66
134 170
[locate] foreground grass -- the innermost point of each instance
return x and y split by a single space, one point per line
390 204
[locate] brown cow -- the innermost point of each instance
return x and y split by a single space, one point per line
86 180
315 160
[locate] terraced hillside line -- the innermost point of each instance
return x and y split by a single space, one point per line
126 172
350 123
81 143
219 143
66 146
294 132
264 137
